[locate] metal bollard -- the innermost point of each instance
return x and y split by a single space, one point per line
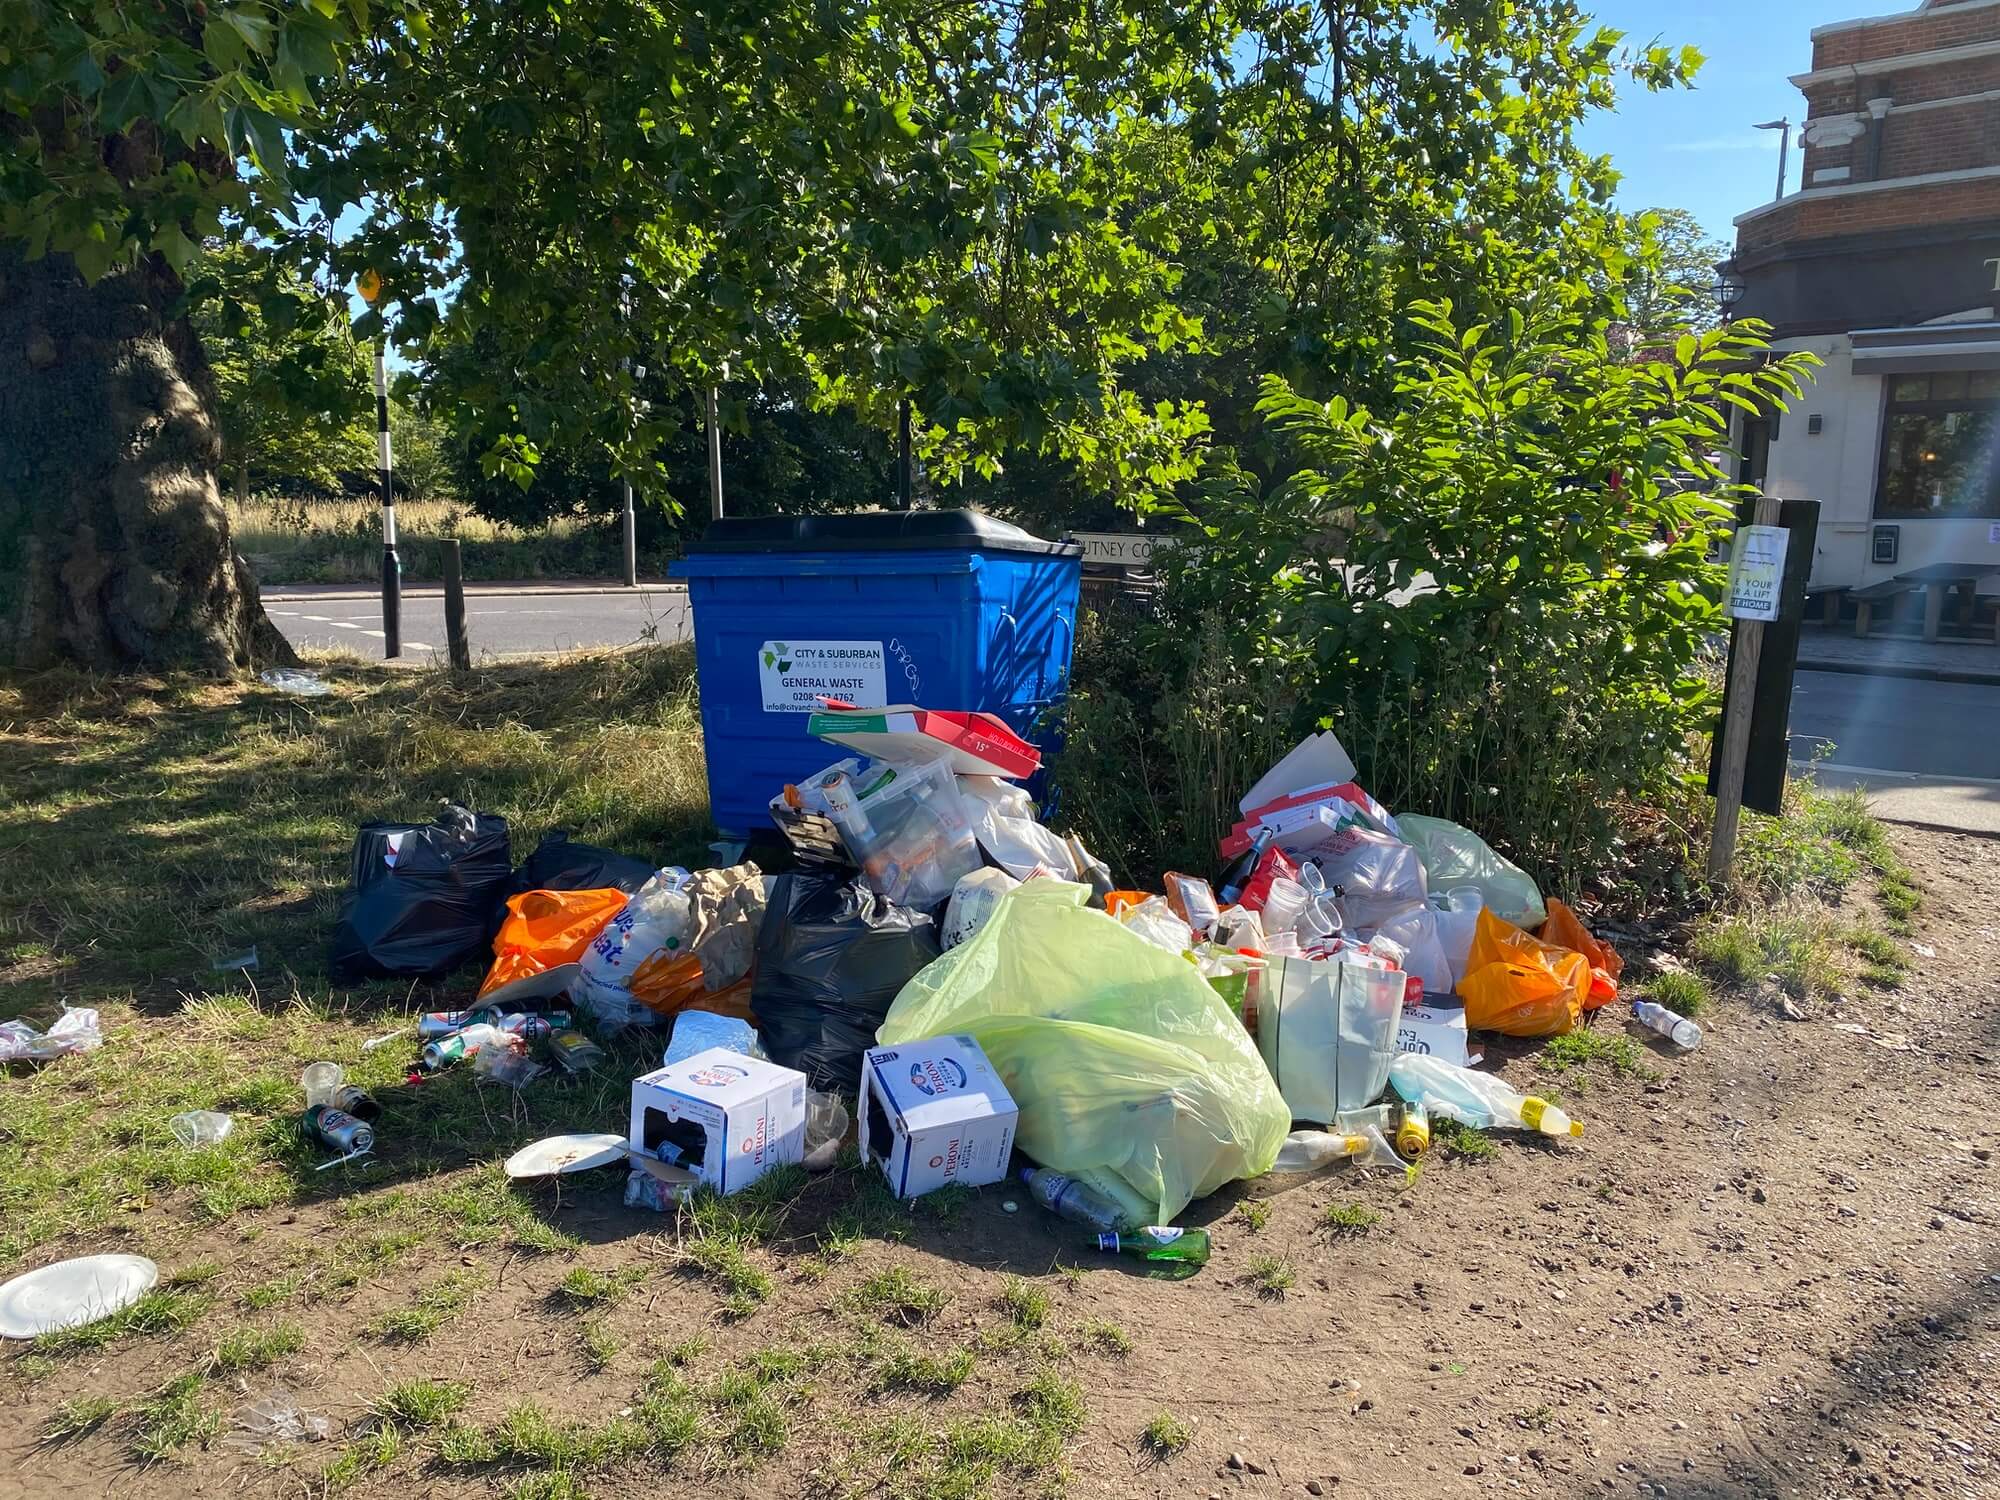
455 637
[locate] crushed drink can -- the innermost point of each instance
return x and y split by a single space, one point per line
443 1052
439 1023
337 1129
352 1099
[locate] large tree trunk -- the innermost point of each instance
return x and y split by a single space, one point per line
114 546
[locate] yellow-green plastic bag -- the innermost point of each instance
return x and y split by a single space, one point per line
1121 1058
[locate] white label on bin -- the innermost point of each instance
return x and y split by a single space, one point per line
797 674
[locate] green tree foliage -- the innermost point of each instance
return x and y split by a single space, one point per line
1674 287
1495 589
293 390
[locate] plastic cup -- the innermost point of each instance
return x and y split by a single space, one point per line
1283 906
320 1080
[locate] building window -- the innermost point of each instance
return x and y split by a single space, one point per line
1938 443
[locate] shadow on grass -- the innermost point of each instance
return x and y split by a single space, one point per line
149 827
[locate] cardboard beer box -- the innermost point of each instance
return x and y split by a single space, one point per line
725 1117
934 1112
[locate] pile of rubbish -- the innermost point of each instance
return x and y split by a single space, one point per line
970 996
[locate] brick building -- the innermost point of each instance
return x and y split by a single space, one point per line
1886 264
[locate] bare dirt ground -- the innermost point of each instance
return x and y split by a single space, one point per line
1770 1268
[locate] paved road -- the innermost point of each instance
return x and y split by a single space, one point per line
1898 723
497 623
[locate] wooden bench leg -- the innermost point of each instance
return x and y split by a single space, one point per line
1968 603
1831 617
1933 611
1864 609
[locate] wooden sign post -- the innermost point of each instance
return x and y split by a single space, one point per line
1756 569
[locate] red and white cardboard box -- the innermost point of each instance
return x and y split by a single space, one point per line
934 1112
974 744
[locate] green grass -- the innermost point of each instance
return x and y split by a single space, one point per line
422 1403
583 1286
555 1484
177 1416
1272 1275
743 1282
598 1344
1348 1218
1165 1435
1884 961
1681 991
1027 1304
167 1309
1256 1213
899 1295
927 1374
77 1417
1105 1336
1795 946
430 1309
687 1351
372 1450
1458 1142
257 1348
1053 1404
1587 1046
193 818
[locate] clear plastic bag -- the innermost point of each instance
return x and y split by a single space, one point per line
1122 1060
913 837
1377 876
1458 912
972 902
76 1030
1454 856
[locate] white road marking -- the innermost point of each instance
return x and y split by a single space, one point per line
342 625
322 619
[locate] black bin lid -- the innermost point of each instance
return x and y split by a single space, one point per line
876 531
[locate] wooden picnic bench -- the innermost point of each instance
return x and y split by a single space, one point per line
1934 581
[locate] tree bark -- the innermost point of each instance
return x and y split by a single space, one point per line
114 545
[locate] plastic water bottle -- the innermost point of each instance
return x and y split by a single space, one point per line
1679 1030
1072 1199
1158 1242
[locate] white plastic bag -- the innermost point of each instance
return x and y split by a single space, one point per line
972 902
655 926
76 1030
1454 856
1327 1032
1003 820
1457 920
1415 930
1155 921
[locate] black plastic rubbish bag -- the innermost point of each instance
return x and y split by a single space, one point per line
831 956
560 865
424 897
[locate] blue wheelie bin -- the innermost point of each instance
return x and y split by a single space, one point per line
945 609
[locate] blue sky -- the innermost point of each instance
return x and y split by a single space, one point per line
1695 148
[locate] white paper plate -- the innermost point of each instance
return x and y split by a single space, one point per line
71 1293
566 1153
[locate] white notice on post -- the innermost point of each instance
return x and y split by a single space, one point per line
797 674
1756 570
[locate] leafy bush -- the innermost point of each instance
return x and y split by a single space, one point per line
1499 592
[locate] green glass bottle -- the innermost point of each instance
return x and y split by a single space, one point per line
1158 1242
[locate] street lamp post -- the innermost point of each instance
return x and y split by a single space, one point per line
392 566
1784 149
